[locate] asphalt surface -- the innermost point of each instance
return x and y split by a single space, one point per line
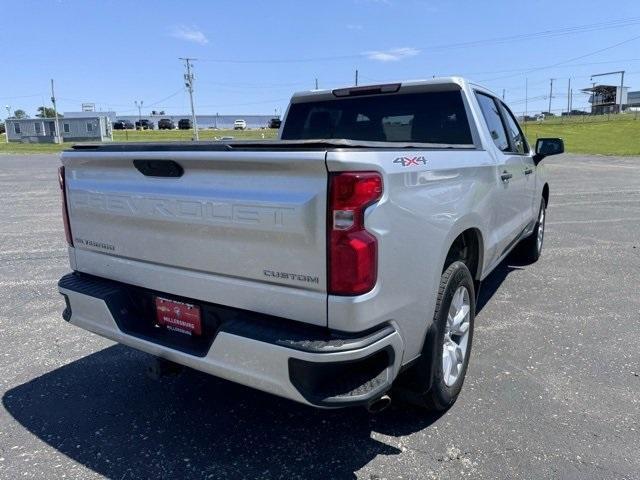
553 388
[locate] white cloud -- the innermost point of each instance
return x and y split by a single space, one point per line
190 34
354 26
392 55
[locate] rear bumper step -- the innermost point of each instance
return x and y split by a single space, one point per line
305 363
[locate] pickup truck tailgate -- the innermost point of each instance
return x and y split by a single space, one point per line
246 219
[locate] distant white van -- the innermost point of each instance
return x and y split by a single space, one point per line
240 125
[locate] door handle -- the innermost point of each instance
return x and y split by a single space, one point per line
506 176
528 171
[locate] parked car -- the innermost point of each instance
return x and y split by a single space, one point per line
122 125
166 124
239 125
185 124
144 124
274 123
332 273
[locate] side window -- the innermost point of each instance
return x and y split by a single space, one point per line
518 140
491 115
89 127
16 128
66 127
38 128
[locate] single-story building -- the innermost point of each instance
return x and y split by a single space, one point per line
42 130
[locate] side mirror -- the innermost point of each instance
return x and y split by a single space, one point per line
546 147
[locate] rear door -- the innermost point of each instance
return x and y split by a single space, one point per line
520 148
510 178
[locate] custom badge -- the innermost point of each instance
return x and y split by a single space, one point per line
411 161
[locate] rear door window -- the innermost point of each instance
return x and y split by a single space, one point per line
517 138
491 114
426 117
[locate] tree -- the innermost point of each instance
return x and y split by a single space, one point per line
20 114
46 112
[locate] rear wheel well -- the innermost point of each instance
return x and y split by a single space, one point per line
467 248
545 193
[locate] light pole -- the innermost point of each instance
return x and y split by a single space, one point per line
139 106
6 125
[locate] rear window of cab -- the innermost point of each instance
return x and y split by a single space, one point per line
426 117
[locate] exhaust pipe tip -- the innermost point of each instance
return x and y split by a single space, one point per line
379 404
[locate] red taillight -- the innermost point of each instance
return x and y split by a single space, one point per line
353 252
65 212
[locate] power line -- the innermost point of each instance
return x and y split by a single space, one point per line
521 69
535 69
277 100
166 98
620 23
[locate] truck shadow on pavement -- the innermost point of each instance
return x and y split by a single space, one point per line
103 412
492 283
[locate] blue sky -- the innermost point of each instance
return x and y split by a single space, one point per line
253 55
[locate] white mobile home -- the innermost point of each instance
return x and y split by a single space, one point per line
42 130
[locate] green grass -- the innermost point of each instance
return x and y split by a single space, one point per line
619 136
142 136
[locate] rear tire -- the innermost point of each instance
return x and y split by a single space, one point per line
435 380
530 248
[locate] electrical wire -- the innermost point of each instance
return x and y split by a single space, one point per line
553 65
620 23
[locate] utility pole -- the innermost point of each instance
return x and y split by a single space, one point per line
356 77
550 95
571 100
621 87
188 81
526 103
139 106
6 125
316 84
569 97
55 114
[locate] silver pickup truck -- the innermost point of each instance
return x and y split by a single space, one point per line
332 266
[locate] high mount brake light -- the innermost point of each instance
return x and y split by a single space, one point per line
65 210
366 90
353 251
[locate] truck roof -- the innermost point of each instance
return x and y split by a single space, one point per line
436 83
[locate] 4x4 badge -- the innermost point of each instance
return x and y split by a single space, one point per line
411 161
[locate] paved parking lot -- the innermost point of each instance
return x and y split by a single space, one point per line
553 389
